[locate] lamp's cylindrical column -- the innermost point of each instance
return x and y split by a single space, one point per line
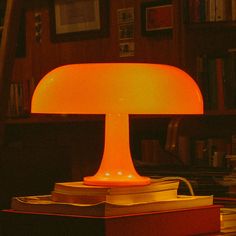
117 167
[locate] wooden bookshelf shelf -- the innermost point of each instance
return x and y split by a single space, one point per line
222 112
54 119
48 118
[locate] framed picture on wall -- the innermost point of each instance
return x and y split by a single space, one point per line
156 17
79 19
125 15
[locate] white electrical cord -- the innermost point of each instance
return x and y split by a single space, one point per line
181 179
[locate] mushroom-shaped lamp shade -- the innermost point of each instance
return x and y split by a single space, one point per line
117 90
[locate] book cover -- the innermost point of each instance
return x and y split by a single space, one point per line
192 221
220 10
203 78
211 10
230 79
193 11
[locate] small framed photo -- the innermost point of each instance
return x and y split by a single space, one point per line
126 31
125 15
127 49
78 19
156 17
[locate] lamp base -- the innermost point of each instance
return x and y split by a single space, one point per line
116 181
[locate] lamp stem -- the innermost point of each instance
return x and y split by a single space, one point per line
117 166
117 149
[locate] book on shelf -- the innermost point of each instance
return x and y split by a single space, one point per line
150 150
216 149
172 135
194 7
19 97
210 10
220 81
215 75
212 80
230 79
223 10
202 78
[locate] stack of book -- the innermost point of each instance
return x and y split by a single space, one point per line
228 223
159 201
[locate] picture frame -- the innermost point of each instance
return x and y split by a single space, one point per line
125 15
126 31
127 49
72 20
156 17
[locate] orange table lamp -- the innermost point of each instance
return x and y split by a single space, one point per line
117 90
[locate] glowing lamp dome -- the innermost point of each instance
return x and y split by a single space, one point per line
117 88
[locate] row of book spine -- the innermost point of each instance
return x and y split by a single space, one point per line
210 10
200 152
216 77
19 99
211 152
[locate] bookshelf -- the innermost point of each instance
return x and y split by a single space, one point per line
9 18
209 52
10 13
208 49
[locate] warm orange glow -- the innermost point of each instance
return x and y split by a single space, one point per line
117 89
